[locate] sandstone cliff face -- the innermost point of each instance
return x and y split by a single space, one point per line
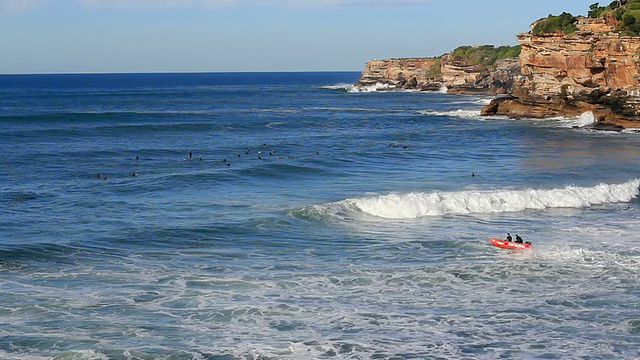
407 73
458 73
455 73
461 77
593 69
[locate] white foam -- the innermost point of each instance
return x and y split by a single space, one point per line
484 101
591 258
630 131
459 113
355 308
341 86
83 355
415 205
370 88
585 119
21 356
599 231
274 124
443 89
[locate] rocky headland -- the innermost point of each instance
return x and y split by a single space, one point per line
591 69
566 66
468 69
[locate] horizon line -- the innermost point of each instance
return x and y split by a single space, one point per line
176 72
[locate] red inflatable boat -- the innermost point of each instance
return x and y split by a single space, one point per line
504 244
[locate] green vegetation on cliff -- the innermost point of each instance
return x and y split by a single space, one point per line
618 7
435 69
564 22
626 11
486 55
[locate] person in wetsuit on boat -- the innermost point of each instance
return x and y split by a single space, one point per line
509 238
519 239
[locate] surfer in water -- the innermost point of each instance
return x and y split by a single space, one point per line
190 155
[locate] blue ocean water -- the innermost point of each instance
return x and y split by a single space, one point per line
313 221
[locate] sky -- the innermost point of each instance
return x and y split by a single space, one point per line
96 36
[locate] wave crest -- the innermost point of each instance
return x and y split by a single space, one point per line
416 205
470 114
359 88
585 119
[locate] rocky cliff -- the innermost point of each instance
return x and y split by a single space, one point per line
566 66
480 69
594 68
406 73
460 76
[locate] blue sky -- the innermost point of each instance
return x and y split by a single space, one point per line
69 36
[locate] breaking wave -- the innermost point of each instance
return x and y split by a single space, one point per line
357 88
459 113
372 88
585 119
416 204
341 86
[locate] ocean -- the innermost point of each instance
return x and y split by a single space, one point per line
293 216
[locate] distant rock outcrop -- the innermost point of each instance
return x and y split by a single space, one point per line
407 73
468 69
565 66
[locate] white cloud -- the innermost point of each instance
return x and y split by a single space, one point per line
21 6
152 4
165 4
18 6
385 2
335 3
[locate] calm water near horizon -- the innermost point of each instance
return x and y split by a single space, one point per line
313 221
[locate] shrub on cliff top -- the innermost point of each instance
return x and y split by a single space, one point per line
596 10
564 22
630 23
435 69
509 51
627 11
486 55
